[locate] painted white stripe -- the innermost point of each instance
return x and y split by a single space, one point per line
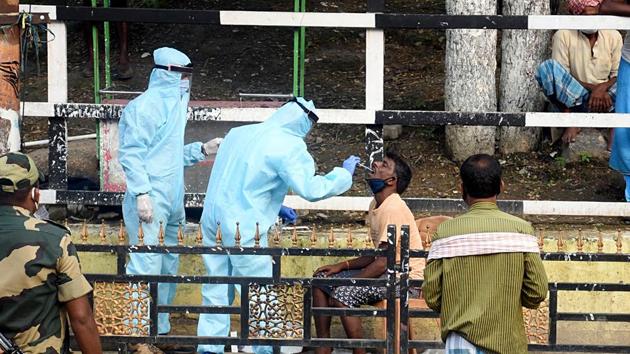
340 116
48 196
578 22
593 120
57 59
296 19
37 109
549 207
374 68
334 203
49 9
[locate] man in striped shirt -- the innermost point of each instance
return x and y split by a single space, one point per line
483 267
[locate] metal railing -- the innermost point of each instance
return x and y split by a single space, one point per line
394 271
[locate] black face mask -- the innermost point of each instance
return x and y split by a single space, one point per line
377 184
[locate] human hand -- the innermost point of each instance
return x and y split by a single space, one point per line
145 208
330 269
350 163
211 147
288 214
599 100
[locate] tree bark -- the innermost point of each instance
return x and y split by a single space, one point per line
9 82
521 52
470 83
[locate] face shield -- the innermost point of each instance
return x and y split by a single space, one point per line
186 78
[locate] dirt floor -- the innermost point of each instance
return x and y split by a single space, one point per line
229 60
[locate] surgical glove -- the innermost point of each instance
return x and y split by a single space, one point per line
210 148
288 214
145 208
350 163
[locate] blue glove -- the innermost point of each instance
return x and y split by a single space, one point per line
288 215
351 163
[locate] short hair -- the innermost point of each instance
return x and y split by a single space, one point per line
16 197
481 176
402 171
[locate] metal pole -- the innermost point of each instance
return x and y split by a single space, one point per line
302 51
404 289
391 289
95 51
296 53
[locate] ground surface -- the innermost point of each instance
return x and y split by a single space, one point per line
229 60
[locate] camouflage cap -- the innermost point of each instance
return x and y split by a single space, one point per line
17 171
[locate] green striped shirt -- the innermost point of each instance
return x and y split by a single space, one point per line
481 297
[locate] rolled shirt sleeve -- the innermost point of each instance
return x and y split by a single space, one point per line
71 283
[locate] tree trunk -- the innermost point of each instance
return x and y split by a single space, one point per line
470 83
9 82
521 52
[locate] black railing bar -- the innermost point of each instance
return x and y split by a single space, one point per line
153 309
404 290
605 317
423 314
560 256
553 316
590 287
390 291
307 305
244 312
199 309
203 279
315 342
573 348
333 252
425 344
363 312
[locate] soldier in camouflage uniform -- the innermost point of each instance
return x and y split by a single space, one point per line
41 284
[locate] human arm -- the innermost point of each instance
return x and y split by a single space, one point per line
83 325
560 49
197 152
614 7
600 100
193 153
297 169
355 263
432 285
535 284
137 130
72 290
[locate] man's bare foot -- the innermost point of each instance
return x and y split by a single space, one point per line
570 134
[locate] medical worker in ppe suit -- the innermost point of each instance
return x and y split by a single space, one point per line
153 155
255 167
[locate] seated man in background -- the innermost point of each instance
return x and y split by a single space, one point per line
582 74
482 268
389 179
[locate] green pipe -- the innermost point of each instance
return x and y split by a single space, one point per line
296 52
108 75
95 51
302 51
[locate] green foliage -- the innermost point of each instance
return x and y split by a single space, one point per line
560 161
585 157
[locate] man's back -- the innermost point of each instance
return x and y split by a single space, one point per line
480 288
40 271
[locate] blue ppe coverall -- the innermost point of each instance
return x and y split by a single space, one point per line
254 169
620 150
153 155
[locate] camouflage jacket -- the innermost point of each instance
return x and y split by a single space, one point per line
40 271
